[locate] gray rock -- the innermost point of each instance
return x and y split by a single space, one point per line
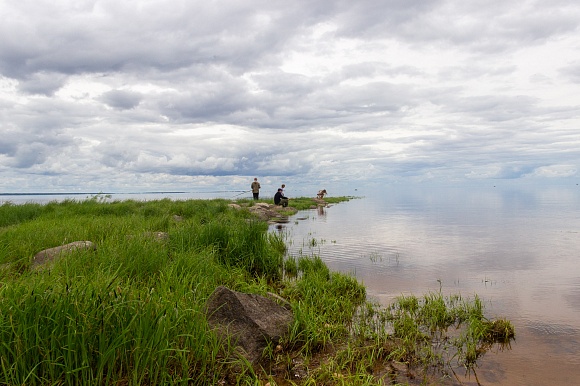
159 236
253 321
51 254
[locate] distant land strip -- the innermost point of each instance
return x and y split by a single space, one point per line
102 193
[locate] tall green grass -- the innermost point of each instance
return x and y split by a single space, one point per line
324 304
131 312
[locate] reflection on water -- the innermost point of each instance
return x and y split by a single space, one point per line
517 248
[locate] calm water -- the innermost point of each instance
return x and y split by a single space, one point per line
517 248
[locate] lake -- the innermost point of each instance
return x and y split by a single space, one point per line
516 247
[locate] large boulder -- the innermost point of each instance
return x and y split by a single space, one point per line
253 321
51 254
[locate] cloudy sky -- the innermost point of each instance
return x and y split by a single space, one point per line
133 95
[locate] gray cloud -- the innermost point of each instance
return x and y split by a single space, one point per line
42 83
133 94
571 72
121 99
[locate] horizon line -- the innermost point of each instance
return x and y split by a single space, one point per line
104 193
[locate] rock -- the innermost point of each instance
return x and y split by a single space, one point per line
155 235
268 212
252 320
265 211
51 254
159 236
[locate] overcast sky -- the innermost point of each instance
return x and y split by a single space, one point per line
133 95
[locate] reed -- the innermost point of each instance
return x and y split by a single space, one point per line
324 303
422 325
15 214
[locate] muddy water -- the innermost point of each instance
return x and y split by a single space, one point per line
517 248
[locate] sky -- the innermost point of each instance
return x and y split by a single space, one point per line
149 95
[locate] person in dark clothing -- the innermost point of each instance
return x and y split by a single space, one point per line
280 199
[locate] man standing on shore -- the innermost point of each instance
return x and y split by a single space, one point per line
256 188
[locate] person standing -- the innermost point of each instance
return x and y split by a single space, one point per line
256 188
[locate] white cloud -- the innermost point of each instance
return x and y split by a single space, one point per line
142 95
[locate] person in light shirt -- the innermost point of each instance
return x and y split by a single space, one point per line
255 189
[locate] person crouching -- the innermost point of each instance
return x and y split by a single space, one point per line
280 199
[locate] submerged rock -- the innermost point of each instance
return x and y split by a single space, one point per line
253 321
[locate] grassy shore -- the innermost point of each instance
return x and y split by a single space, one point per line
131 312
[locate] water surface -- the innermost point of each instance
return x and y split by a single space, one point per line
516 247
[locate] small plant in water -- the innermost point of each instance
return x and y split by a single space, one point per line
375 257
422 322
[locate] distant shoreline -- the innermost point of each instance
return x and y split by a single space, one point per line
117 193
77 193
